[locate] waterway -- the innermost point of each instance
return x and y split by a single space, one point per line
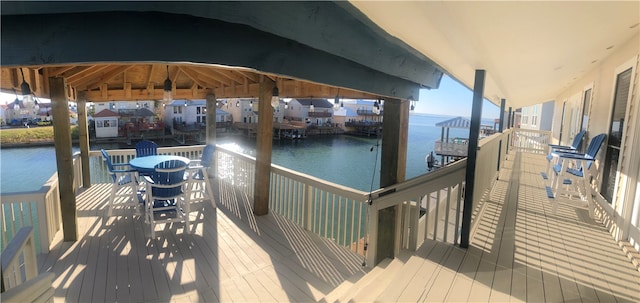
343 159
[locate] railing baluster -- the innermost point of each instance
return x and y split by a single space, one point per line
458 213
446 220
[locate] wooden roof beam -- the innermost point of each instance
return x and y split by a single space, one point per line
150 75
214 76
85 75
193 76
59 71
253 77
229 74
112 73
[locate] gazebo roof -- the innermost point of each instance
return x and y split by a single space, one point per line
457 122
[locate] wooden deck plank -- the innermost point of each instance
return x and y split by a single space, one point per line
444 279
393 291
426 275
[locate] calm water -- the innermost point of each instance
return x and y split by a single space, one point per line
345 160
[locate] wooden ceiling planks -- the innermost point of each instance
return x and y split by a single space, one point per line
145 81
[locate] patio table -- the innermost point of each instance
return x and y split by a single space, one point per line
146 165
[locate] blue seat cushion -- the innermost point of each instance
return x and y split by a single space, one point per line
575 172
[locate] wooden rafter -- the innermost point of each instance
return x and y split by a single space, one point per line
131 81
149 76
114 71
249 75
230 75
193 76
86 75
214 78
59 71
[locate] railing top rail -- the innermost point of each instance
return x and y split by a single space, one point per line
488 140
446 176
161 150
320 183
46 187
317 182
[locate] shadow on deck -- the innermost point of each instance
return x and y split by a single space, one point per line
230 255
521 250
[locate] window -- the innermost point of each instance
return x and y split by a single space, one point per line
616 129
198 110
175 109
585 109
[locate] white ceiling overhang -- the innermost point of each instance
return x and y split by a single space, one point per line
531 50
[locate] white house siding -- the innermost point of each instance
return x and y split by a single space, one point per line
106 127
626 205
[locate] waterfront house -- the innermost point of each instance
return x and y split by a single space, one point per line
343 114
182 113
311 111
365 109
481 229
540 116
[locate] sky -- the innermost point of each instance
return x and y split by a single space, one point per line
450 99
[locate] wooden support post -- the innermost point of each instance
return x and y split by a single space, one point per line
83 132
395 133
211 118
64 157
395 130
474 134
263 148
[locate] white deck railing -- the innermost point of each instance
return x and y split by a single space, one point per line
330 210
453 147
40 209
20 278
531 141
430 206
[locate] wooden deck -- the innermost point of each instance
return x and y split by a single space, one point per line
520 251
231 256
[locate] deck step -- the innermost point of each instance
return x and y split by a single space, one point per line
350 287
343 289
376 285
631 253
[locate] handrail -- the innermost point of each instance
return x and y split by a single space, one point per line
428 206
21 282
22 246
530 140
39 208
